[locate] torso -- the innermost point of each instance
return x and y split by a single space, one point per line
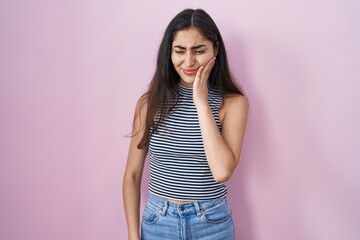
178 167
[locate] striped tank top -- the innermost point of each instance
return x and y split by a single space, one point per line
178 166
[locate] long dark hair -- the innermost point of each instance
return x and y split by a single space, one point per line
161 96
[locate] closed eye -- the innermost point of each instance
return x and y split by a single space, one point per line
199 52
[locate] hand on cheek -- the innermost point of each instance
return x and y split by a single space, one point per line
200 91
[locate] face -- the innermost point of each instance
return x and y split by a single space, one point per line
190 50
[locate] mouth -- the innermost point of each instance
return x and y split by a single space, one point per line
189 72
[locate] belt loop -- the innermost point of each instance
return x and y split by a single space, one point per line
163 211
197 208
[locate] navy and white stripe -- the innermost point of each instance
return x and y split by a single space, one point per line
178 166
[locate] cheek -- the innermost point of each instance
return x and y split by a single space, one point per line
175 60
204 59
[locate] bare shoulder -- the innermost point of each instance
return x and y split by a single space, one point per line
140 115
235 100
234 104
141 105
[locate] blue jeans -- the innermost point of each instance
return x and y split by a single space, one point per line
202 220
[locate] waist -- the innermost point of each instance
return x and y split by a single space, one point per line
187 206
175 201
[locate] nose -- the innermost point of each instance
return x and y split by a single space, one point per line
189 60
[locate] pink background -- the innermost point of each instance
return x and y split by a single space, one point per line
71 72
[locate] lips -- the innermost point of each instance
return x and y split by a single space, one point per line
189 71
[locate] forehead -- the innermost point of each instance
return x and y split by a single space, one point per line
189 37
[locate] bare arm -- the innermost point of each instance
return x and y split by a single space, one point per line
133 174
222 150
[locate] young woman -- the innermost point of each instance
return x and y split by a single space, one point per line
192 120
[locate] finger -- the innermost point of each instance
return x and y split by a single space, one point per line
199 73
208 67
211 62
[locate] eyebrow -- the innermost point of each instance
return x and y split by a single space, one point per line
193 48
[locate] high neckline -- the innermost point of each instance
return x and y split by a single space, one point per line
183 90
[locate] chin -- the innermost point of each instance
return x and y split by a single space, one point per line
188 80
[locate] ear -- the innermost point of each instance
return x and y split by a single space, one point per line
216 50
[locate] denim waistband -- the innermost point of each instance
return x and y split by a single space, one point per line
196 207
